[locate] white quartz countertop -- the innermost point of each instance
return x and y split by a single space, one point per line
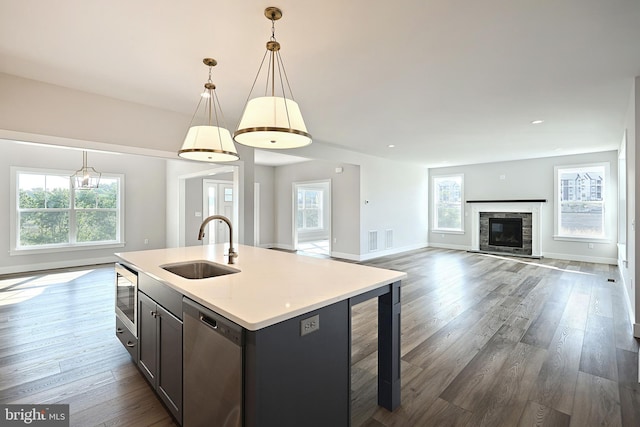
272 285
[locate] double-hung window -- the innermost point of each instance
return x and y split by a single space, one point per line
448 207
50 214
310 208
580 201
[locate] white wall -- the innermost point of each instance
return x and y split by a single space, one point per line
534 179
144 194
397 196
345 194
628 268
193 204
265 176
39 108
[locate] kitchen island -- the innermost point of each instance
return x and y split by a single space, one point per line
295 312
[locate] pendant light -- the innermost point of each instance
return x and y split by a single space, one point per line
209 142
272 121
87 177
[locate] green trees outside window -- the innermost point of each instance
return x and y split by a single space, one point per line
51 212
309 212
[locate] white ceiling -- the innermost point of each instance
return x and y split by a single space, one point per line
447 82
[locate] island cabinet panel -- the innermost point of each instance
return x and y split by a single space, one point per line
148 339
160 342
168 298
297 371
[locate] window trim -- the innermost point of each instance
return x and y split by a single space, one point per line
434 207
67 247
606 233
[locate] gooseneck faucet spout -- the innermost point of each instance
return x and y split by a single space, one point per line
232 253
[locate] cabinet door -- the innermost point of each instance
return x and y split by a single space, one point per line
147 338
170 361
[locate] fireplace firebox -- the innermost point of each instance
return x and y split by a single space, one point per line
506 232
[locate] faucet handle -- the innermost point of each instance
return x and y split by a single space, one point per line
232 256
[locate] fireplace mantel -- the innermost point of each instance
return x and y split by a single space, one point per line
534 206
509 201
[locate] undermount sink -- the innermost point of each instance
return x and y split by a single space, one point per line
200 269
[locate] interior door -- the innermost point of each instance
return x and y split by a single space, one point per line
225 207
218 200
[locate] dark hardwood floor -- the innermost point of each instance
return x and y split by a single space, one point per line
486 341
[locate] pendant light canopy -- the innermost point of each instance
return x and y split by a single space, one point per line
87 177
209 142
271 121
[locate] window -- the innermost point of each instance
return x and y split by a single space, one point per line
50 214
309 212
448 209
228 194
580 201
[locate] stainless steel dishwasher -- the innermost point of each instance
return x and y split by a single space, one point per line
212 374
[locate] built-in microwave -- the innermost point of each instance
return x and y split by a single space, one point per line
127 297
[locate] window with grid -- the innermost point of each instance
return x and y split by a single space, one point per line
448 209
50 213
580 201
310 207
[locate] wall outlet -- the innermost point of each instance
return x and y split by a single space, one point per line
198 214
590 245
310 324
146 241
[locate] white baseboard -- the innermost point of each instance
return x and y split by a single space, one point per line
630 310
448 246
341 255
280 246
26 268
582 258
393 251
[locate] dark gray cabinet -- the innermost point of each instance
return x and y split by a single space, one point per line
160 344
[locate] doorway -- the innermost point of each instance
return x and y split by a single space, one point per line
312 217
217 199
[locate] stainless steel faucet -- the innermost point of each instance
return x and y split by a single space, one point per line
232 253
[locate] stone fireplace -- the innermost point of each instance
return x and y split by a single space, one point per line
511 227
506 232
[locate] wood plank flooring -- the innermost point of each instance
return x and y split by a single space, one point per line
486 341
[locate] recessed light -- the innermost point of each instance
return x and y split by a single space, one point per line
537 122
390 145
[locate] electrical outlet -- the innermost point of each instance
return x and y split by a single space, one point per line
590 245
146 241
310 324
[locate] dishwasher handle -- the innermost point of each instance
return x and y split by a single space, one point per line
213 321
208 321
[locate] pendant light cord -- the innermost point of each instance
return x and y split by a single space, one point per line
273 58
